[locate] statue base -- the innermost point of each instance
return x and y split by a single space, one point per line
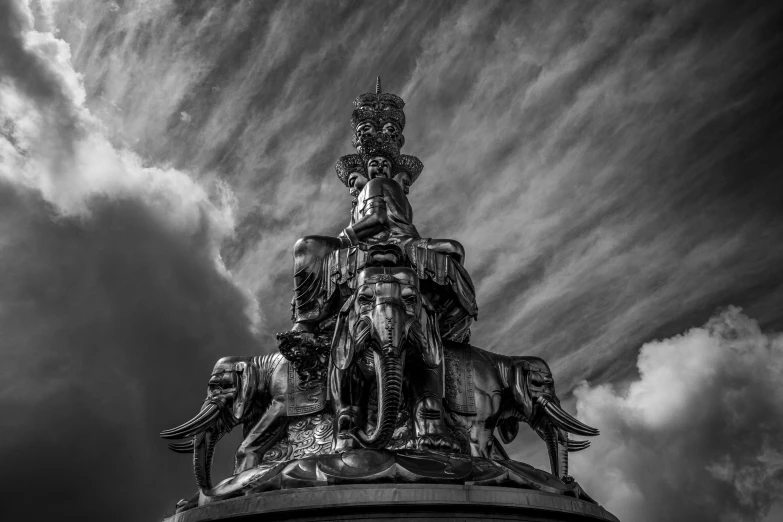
399 502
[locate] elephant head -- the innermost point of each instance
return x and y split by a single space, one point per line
537 404
385 312
230 394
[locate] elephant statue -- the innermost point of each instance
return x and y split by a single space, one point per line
387 335
261 393
506 390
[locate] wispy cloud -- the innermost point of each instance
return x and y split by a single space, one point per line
611 168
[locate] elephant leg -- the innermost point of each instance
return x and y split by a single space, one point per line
259 437
426 387
480 438
347 392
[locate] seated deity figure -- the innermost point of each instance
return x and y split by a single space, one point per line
379 179
324 266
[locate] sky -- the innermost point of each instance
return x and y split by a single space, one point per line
613 170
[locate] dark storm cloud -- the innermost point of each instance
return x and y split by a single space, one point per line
113 299
611 168
109 327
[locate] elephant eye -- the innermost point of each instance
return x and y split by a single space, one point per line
365 296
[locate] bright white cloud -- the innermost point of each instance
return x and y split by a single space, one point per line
697 436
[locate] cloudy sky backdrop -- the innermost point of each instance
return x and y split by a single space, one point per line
612 168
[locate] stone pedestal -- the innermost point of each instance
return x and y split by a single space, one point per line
410 502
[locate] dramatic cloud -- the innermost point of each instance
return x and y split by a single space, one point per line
612 168
698 436
113 301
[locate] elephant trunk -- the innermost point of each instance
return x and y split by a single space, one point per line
550 437
388 332
557 447
203 450
388 370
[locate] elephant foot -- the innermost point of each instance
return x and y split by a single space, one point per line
244 460
184 505
345 443
346 427
439 443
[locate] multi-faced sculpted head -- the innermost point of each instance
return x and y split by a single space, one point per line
351 170
406 170
356 182
378 113
379 166
365 128
404 179
375 126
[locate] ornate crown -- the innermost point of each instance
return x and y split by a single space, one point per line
379 108
350 163
377 145
410 164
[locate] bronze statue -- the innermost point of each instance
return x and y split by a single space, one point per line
376 379
324 267
498 392
261 393
385 329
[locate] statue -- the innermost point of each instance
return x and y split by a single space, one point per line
377 381
324 267
384 327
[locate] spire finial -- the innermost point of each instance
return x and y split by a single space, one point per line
378 86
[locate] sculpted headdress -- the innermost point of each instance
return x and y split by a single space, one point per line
377 108
380 108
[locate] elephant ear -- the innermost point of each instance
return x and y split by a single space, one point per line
343 342
432 349
248 383
508 429
521 390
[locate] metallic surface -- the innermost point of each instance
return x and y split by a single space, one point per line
377 383
401 502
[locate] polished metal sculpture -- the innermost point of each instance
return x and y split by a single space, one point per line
377 381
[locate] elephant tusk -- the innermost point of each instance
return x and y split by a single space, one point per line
577 445
195 425
182 447
566 421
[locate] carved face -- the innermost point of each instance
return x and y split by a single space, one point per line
366 128
379 167
230 391
356 182
533 381
387 299
223 387
540 383
404 179
391 129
